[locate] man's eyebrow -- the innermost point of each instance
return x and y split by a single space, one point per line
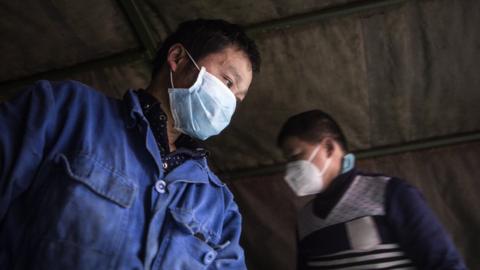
235 73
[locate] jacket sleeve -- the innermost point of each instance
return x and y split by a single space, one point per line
418 230
229 253
24 128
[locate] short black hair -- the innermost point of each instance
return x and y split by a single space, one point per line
202 37
312 126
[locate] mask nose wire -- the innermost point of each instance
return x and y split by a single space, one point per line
326 165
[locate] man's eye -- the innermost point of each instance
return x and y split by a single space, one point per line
228 82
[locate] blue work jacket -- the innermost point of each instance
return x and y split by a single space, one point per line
82 186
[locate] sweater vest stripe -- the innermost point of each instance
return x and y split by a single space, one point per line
387 256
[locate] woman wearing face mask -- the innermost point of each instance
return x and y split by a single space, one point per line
356 220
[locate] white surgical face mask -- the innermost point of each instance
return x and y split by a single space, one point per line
204 109
304 177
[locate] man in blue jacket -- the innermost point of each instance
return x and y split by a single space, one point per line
90 182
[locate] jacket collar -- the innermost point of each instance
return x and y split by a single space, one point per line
132 109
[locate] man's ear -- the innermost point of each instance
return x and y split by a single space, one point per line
329 145
175 56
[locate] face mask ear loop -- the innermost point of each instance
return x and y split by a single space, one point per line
171 79
325 167
191 58
314 153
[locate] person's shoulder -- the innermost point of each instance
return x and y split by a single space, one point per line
394 183
217 182
48 93
372 176
228 195
61 91
73 88
65 87
394 186
399 190
68 85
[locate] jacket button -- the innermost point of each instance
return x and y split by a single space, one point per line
209 257
160 186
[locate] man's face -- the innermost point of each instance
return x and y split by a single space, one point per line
294 149
230 65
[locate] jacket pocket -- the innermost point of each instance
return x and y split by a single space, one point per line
100 179
190 245
83 212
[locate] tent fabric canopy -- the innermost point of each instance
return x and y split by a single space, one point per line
42 36
391 72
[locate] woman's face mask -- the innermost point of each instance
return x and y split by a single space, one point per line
304 177
204 109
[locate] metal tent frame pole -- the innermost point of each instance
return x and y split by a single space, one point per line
368 153
140 27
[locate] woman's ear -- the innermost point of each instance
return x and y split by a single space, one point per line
175 56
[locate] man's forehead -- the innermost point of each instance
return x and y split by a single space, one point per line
228 54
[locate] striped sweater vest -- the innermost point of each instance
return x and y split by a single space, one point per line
354 235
